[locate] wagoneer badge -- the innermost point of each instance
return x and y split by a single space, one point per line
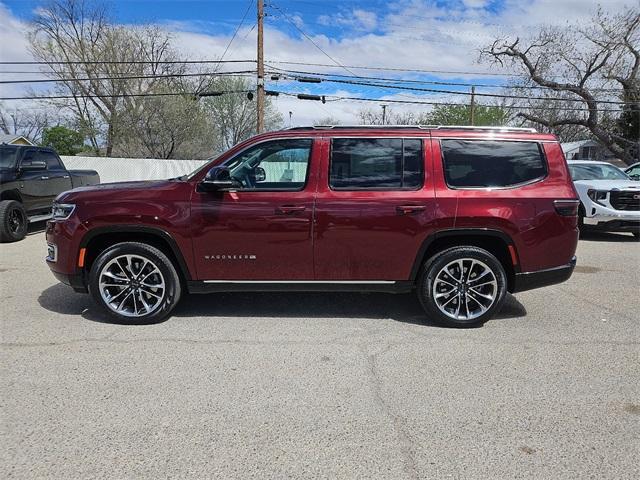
230 257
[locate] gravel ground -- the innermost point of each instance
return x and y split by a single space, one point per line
324 385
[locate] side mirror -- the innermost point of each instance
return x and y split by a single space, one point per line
259 174
33 165
218 179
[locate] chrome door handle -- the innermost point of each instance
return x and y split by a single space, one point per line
65 176
410 209
44 178
289 209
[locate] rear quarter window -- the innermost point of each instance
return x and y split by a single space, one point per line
486 163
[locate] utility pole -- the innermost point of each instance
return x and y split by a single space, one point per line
260 82
473 105
384 114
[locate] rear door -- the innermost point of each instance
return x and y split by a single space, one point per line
375 207
263 230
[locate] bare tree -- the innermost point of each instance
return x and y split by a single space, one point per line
584 69
166 127
392 117
327 121
106 69
233 115
27 123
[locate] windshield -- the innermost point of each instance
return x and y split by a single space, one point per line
8 157
596 171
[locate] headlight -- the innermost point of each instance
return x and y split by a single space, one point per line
597 195
62 211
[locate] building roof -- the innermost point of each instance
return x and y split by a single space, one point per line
8 138
573 146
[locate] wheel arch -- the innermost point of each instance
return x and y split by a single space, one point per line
11 195
98 239
496 242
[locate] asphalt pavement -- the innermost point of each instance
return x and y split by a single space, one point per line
320 385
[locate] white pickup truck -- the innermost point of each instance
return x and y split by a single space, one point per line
609 198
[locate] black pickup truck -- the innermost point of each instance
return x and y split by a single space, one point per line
30 179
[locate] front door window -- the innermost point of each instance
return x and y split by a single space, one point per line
277 165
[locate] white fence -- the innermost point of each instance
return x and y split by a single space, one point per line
127 169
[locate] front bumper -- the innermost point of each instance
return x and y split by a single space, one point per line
614 222
605 217
543 278
63 238
75 281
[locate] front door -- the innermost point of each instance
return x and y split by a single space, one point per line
34 187
263 230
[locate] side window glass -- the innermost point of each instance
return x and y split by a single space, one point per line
276 165
29 157
51 160
482 164
376 164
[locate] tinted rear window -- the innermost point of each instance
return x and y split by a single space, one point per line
480 164
376 163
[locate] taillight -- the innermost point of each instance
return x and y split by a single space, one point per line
567 208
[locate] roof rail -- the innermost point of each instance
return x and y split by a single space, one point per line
420 127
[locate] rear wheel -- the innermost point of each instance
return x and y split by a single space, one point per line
135 283
462 286
13 221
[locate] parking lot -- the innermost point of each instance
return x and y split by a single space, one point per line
324 385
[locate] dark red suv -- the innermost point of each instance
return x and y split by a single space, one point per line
461 215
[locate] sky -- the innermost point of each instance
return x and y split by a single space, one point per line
439 36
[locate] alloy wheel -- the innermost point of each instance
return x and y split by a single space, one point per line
465 289
132 285
16 220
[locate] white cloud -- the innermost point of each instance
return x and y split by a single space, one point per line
413 34
358 19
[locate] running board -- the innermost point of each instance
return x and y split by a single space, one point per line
39 218
381 286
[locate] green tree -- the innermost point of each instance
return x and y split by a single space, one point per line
461 115
64 140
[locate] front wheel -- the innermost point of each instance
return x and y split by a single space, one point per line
462 286
13 221
135 283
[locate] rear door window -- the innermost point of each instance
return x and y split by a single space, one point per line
376 164
485 164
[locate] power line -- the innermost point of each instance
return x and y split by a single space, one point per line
125 77
422 102
397 69
424 82
456 92
236 31
310 39
125 62
125 95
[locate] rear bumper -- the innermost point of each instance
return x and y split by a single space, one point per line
542 278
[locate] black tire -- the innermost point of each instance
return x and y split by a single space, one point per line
435 265
170 294
581 214
13 221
